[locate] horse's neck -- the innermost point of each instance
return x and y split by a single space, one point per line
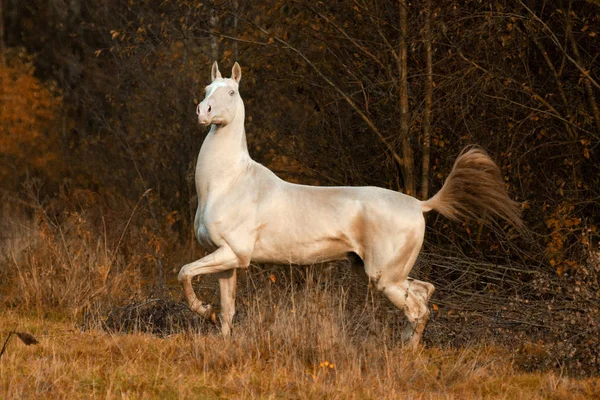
224 152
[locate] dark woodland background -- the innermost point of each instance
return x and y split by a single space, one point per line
99 138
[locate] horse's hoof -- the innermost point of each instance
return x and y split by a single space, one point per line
209 314
407 332
204 310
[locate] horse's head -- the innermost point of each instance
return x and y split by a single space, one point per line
222 98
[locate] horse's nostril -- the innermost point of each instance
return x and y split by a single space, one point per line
209 109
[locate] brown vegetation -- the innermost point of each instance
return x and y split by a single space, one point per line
69 363
301 333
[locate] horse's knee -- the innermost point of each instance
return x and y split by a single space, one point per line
183 275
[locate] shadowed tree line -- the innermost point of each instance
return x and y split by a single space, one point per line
99 97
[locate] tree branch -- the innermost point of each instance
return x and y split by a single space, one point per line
348 100
583 71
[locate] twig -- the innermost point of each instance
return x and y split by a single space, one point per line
25 337
347 36
541 112
125 230
145 302
348 100
562 49
224 36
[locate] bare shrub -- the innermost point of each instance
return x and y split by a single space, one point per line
61 260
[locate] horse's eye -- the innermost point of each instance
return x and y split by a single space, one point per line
231 92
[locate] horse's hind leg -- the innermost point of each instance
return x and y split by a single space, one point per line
413 303
409 295
423 292
422 289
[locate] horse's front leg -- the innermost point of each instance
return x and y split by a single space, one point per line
227 284
222 259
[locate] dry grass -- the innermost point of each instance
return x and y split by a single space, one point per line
299 333
69 363
62 261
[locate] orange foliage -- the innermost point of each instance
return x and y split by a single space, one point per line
561 222
29 119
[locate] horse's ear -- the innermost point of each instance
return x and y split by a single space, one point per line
214 72
236 72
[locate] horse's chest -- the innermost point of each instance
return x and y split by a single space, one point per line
219 217
207 226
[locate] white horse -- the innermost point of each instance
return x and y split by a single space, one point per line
247 214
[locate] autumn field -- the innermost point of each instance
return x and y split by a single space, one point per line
275 362
300 333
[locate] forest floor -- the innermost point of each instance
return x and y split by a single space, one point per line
70 362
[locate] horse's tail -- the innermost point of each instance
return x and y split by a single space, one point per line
474 188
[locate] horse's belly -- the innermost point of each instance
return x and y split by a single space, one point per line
279 251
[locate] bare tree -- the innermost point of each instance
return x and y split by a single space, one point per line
407 153
213 22
427 38
2 60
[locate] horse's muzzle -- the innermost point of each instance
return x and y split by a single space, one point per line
203 110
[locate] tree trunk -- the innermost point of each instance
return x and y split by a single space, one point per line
428 102
2 60
407 153
234 44
214 40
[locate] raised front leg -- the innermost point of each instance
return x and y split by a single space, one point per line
222 259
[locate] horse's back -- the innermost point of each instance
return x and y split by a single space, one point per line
306 224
